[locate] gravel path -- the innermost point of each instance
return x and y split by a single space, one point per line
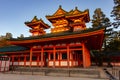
38 77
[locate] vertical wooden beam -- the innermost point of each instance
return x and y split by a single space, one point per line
49 58
24 60
54 55
86 56
12 60
31 54
42 53
59 58
38 60
68 55
18 60
71 58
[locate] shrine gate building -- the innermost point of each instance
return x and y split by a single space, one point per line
67 45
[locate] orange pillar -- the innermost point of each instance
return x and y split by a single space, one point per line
68 55
12 60
38 60
18 59
86 56
54 57
31 53
42 53
24 60
59 58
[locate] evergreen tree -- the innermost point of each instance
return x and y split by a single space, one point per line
21 36
114 45
116 13
97 18
8 35
100 20
3 43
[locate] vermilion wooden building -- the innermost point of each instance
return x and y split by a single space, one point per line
68 44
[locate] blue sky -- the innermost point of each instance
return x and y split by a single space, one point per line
13 13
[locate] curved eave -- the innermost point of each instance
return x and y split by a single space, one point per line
33 24
52 18
95 37
85 14
40 31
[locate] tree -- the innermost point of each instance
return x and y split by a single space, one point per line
8 35
116 13
114 44
3 43
21 36
100 20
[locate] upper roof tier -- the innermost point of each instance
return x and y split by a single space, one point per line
61 13
37 22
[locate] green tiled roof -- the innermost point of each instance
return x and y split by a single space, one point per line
50 35
12 49
2 55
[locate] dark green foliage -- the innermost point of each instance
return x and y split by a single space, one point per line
114 42
3 42
3 39
21 36
100 19
97 58
8 36
114 45
116 13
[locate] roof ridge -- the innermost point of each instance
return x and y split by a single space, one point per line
60 11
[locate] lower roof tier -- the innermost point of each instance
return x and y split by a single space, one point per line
93 38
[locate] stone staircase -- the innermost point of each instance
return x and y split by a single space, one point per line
66 72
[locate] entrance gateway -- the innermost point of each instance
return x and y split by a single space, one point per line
68 44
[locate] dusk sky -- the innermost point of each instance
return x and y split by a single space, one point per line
13 13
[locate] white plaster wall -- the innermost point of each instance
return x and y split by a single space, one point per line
50 63
21 63
63 63
57 63
34 63
28 63
15 63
